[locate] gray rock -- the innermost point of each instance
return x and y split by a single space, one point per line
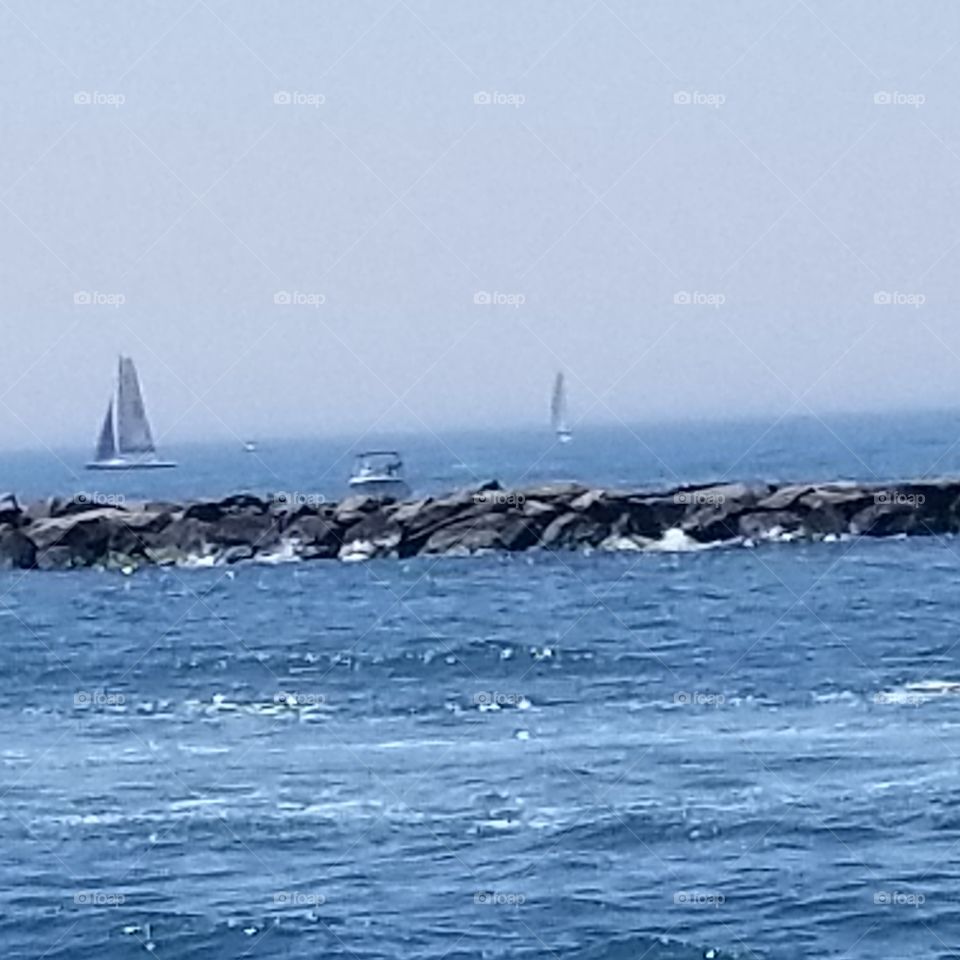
259 531
559 493
57 558
495 531
212 511
381 532
86 536
420 525
761 524
235 553
716 511
17 551
887 519
573 531
59 534
784 498
203 512
316 537
183 537
355 508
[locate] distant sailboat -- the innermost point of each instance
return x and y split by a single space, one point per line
558 410
125 441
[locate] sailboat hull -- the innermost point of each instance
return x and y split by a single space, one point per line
121 464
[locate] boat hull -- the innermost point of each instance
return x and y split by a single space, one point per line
130 465
380 486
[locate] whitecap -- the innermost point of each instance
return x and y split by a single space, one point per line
197 802
500 824
674 540
357 551
286 554
196 561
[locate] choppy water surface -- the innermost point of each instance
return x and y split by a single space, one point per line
661 756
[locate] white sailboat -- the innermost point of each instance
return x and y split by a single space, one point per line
558 410
125 441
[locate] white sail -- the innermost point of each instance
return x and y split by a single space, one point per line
107 443
133 428
558 409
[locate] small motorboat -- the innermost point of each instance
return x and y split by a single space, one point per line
379 473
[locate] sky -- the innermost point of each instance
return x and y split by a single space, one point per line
318 217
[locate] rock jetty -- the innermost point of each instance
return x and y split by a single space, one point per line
84 531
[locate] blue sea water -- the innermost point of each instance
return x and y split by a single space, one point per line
606 757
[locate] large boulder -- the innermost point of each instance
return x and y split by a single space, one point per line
180 539
770 524
355 508
17 551
561 494
314 538
375 535
259 531
508 531
243 503
573 531
427 517
829 509
10 510
86 534
885 519
783 498
715 511
653 514
212 511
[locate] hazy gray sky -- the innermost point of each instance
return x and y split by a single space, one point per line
781 165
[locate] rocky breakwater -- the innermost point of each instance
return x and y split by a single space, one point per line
64 533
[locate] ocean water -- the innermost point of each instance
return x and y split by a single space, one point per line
730 753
